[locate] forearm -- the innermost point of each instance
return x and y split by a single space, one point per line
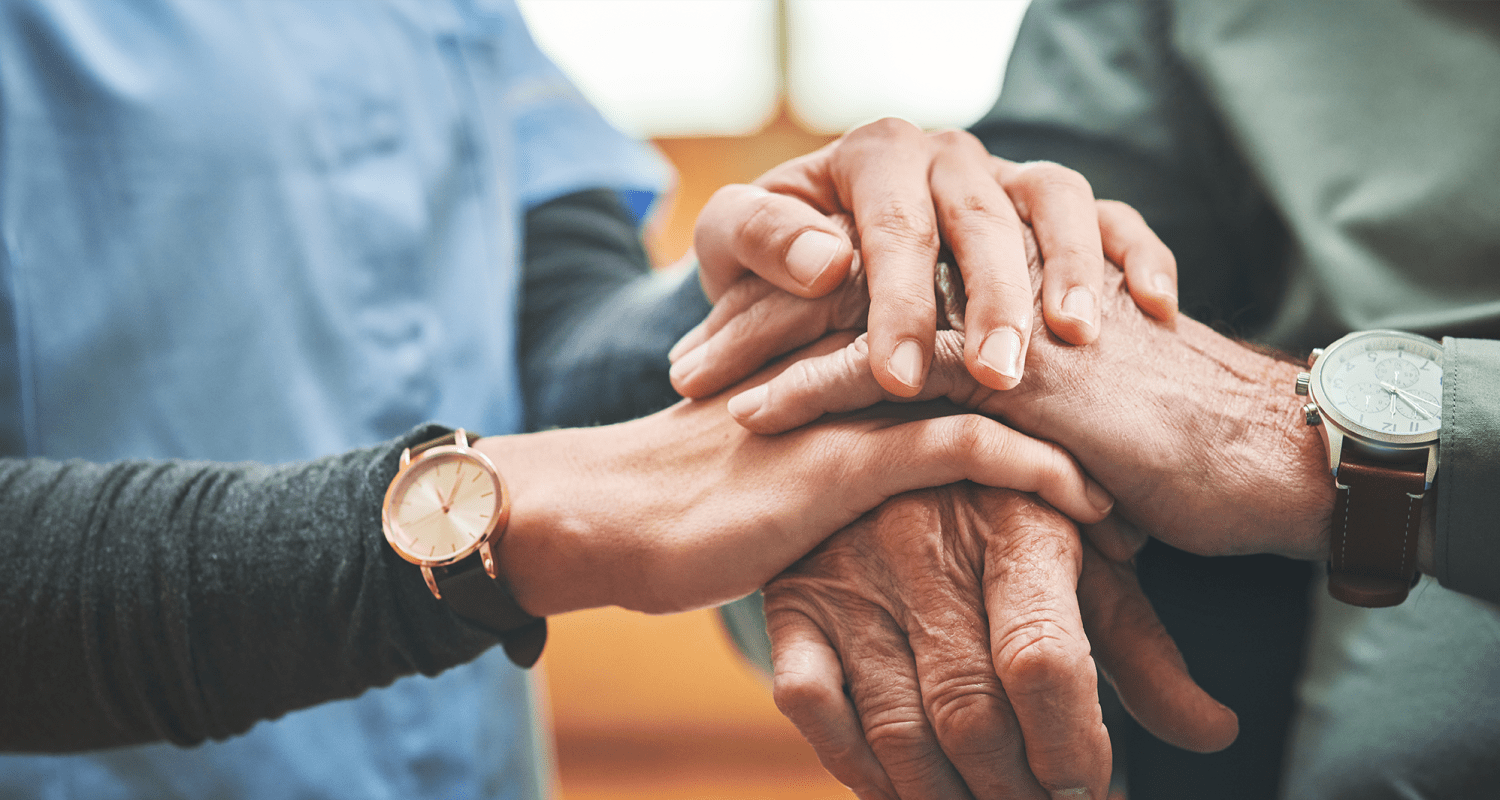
597 322
1200 438
183 601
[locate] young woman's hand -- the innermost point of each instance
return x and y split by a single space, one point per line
850 236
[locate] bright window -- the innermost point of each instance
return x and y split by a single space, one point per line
711 67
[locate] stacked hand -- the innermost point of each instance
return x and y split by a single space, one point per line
946 618
872 208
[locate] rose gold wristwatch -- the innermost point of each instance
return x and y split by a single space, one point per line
445 511
1377 399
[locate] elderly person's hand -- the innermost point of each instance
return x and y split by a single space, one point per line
890 193
1199 438
938 648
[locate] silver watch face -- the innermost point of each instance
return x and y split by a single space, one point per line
1385 386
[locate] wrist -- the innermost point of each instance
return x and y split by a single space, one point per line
1302 488
540 556
1200 438
1276 463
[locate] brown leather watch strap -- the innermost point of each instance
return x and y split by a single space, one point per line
1372 555
441 441
487 603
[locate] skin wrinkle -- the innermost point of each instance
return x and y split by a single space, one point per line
933 586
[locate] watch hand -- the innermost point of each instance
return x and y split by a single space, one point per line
1400 395
457 477
1409 397
418 521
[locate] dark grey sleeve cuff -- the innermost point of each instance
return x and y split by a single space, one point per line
1467 547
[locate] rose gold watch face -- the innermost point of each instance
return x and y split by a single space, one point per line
442 507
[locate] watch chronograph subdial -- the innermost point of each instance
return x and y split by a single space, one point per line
1416 404
1367 397
1397 372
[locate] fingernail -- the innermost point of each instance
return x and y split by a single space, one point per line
1079 304
746 403
906 363
1098 498
810 254
1001 352
1072 794
686 365
1165 286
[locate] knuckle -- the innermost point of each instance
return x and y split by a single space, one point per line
1120 211
955 139
1037 658
761 222
1075 255
970 433
1053 464
1045 177
967 717
901 742
902 225
800 380
802 697
904 306
976 213
886 128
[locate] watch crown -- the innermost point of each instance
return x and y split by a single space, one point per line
1303 379
1314 356
1311 413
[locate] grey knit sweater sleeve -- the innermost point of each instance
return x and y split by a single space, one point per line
182 601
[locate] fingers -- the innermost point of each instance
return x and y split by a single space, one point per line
843 381
967 707
962 695
752 324
1143 662
942 450
881 170
688 356
884 687
1059 205
808 685
980 225
1041 653
1116 539
780 238
1150 268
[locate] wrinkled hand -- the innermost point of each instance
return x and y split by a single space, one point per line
937 648
891 193
1199 438
685 508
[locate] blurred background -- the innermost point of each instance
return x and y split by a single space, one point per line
664 707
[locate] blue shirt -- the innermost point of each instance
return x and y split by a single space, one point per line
267 230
